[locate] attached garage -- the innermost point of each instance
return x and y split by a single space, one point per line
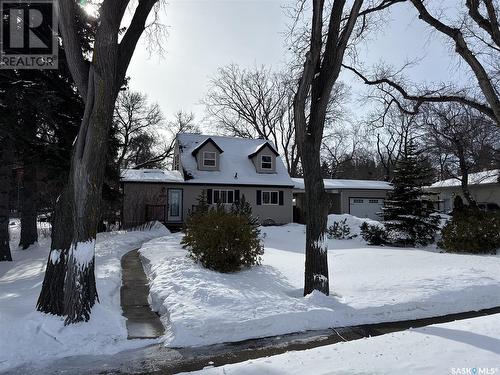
361 198
366 207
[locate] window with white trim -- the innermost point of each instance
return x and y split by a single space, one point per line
209 159
270 198
223 196
266 162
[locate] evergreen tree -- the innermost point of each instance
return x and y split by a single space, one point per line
408 210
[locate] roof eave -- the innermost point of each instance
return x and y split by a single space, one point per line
209 139
261 148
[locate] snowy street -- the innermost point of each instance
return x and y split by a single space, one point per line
463 347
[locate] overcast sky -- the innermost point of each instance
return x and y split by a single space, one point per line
207 34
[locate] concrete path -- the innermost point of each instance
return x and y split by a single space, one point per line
142 322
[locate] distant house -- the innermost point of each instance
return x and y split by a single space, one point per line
361 198
226 169
483 186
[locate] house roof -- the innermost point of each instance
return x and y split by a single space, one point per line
235 166
150 175
331 184
208 140
479 178
261 147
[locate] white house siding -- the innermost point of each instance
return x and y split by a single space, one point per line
488 193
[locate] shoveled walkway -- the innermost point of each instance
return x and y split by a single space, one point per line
142 323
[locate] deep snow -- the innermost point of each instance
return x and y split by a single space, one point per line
469 346
369 284
29 336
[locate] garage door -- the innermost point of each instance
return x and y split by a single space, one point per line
366 207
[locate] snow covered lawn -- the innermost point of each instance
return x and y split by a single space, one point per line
370 284
29 336
469 346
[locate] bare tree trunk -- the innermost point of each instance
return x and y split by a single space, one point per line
6 156
316 204
98 82
51 299
321 71
464 181
29 233
86 179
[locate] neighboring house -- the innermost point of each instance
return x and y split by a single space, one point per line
224 168
483 186
361 198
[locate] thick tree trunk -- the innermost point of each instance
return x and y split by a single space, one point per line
464 182
29 233
86 179
98 82
316 204
51 299
6 156
465 190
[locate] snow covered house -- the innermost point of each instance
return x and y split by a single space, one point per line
225 168
361 198
483 186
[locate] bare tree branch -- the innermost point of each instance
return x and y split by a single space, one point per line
422 98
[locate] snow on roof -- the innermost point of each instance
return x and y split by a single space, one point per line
479 178
150 175
208 140
347 184
260 147
235 166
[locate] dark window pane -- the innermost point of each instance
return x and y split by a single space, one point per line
274 197
266 162
265 197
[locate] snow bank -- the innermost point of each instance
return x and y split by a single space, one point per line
30 336
462 347
369 285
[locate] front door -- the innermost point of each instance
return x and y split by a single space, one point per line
174 205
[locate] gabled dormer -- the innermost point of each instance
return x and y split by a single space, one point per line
264 158
207 155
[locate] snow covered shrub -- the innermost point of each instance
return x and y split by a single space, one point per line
373 234
340 230
472 231
223 240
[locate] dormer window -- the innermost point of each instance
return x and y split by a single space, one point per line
266 162
209 159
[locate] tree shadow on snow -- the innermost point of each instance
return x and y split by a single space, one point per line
477 340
